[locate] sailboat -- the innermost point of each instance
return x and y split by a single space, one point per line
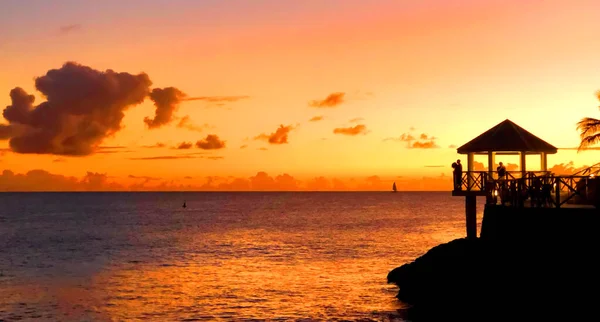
394 187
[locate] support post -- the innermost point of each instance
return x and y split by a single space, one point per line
470 165
471 216
523 156
543 161
491 163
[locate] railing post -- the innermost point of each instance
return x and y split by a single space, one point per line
557 182
470 167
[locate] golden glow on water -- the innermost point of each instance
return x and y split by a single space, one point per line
248 256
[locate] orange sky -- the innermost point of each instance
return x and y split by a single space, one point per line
365 72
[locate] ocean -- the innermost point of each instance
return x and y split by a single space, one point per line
244 256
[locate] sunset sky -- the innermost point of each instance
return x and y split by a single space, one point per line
323 91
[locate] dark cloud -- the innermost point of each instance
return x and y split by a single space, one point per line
280 136
353 130
197 153
316 118
332 100
69 28
157 145
186 123
184 145
166 101
211 142
165 157
423 141
83 106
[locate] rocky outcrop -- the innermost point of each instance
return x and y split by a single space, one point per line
516 278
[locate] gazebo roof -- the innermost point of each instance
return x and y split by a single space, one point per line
507 137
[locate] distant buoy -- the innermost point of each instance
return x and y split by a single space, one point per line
184 205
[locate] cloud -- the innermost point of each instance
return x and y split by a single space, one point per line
215 158
356 120
83 107
566 168
211 142
480 166
319 184
112 149
41 180
69 28
423 141
452 146
263 149
59 160
184 145
157 145
243 146
166 101
332 100
142 177
186 123
280 136
316 118
218 99
435 166
353 130
165 157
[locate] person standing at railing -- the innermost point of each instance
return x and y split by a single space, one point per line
501 171
501 182
457 166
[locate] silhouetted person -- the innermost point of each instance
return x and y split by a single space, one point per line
546 195
457 166
513 193
501 171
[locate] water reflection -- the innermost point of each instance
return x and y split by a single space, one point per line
318 256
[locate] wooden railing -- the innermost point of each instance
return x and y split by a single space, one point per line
539 188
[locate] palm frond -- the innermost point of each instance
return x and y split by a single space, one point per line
589 141
588 126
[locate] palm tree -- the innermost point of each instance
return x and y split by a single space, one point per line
589 130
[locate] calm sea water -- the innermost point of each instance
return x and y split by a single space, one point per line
227 256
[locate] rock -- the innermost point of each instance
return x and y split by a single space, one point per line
485 280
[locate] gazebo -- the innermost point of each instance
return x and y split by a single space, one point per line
506 138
